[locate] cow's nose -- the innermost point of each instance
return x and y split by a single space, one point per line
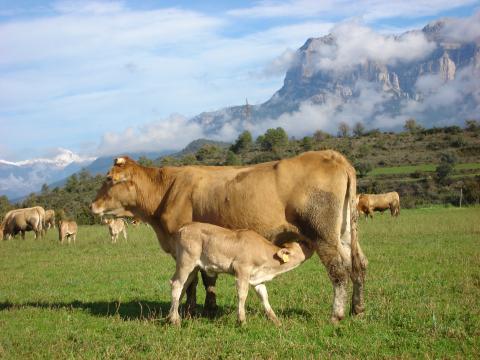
90 206
109 177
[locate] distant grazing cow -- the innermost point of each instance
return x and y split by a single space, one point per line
251 258
115 227
22 220
311 196
368 203
37 227
49 219
67 229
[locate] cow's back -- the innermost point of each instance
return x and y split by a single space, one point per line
266 198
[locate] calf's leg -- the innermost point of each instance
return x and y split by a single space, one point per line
242 292
184 272
262 293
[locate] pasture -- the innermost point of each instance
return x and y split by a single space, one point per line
96 300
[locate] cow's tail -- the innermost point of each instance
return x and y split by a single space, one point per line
359 263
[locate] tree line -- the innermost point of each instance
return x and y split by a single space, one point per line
74 197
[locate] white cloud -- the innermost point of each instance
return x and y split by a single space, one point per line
356 44
467 29
368 9
172 133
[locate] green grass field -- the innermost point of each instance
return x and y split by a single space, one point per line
408 169
98 300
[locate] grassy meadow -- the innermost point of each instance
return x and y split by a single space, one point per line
95 300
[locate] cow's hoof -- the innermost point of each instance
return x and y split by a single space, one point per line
357 310
191 311
210 311
335 319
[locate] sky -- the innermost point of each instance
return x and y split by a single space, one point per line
101 77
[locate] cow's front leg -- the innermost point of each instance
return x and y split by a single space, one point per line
210 307
191 303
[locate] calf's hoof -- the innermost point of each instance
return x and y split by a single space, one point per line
174 321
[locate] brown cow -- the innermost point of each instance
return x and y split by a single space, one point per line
219 250
22 220
308 196
368 203
67 229
49 219
115 227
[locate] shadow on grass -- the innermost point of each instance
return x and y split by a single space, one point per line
131 310
139 310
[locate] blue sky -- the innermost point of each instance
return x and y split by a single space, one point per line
94 76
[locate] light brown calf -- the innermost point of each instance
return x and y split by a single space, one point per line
115 227
251 258
67 229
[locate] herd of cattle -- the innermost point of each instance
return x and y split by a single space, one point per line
254 222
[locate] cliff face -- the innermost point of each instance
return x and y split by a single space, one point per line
307 81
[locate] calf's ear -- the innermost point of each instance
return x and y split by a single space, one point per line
283 254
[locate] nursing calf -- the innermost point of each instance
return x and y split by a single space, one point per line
251 258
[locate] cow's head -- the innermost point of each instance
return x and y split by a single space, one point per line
123 170
114 199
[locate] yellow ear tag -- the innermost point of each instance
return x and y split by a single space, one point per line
285 258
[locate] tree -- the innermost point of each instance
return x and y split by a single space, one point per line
72 184
275 139
320 135
412 126
363 168
358 129
207 151
307 143
445 168
144 161
472 125
232 159
243 142
44 189
343 129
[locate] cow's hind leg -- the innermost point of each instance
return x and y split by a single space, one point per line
321 220
210 307
191 303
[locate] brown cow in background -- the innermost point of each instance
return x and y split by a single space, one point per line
49 219
22 220
115 227
368 203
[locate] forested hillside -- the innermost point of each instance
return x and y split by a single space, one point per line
426 166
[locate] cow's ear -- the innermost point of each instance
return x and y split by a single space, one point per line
120 161
283 254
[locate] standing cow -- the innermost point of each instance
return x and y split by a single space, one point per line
49 219
368 203
308 196
115 227
67 229
22 220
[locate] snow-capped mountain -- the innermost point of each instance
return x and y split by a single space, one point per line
19 178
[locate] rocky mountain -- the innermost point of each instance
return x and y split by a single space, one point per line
431 74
